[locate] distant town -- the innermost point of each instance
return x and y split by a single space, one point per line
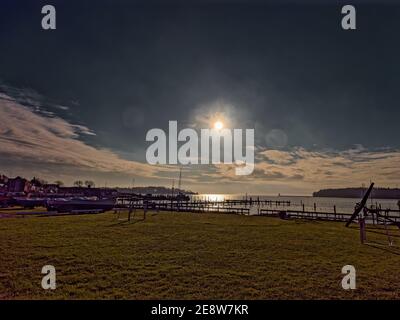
39 186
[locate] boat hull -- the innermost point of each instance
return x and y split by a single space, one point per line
80 205
4 201
30 203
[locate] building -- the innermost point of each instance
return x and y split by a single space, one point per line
50 188
3 179
3 183
16 184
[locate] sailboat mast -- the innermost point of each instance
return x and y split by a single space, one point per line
180 180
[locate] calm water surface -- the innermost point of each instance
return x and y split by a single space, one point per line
345 205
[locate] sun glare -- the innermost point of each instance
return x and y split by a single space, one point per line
218 125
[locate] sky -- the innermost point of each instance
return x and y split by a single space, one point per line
77 102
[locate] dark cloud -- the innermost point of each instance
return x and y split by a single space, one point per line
133 66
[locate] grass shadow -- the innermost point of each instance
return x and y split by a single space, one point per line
126 222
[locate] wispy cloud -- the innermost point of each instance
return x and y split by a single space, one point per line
312 170
47 140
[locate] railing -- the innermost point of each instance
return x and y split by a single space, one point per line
373 218
188 207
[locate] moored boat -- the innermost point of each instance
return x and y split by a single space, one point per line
80 204
30 202
4 201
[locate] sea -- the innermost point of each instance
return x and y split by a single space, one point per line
324 204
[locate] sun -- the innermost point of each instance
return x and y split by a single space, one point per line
218 125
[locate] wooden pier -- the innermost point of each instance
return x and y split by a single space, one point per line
126 201
189 207
376 218
300 214
271 208
258 202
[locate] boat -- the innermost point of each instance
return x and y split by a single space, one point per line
80 204
30 203
4 201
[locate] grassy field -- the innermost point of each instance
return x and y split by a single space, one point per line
192 256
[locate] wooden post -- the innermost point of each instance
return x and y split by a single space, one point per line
130 211
363 236
315 209
334 210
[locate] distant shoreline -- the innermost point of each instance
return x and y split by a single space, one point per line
377 193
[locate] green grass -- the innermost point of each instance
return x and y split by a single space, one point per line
192 256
